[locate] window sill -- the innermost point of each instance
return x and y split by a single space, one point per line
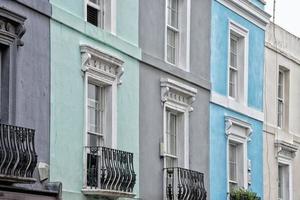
226 102
107 193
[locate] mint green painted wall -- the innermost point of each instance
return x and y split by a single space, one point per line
68 32
127 21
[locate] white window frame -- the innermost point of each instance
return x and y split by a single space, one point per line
241 137
182 52
109 18
241 33
288 163
177 97
285 98
236 162
104 76
103 114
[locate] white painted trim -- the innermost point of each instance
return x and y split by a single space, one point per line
242 33
249 11
289 163
188 35
180 35
101 77
237 107
113 17
241 139
181 103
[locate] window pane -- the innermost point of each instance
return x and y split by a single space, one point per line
280 174
171 162
280 84
232 162
232 83
95 108
280 114
171 46
171 135
233 51
173 13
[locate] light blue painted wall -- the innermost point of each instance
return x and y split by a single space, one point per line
219 63
219 51
218 165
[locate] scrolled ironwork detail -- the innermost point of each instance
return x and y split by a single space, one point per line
184 184
110 169
18 157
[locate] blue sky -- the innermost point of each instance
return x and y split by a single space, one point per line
287 14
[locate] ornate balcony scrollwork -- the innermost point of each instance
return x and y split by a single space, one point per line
109 172
18 158
184 184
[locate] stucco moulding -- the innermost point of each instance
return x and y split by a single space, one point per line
248 10
99 62
177 92
11 27
231 121
286 149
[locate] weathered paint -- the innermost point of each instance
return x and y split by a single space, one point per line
219 45
221 16
218 157
68 32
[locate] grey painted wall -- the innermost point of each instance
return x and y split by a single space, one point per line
152 69
31 93
152 32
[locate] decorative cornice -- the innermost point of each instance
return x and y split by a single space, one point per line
177 93
248 10
285 149
98 62
231 121
11 27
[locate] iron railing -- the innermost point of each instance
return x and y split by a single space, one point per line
184 184
109 169
18 158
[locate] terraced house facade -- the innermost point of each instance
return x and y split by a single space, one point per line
236 109
174 88
95 98
281 127
146 100
25 101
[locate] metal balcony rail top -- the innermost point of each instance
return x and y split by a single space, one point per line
181 168
18 157
97 148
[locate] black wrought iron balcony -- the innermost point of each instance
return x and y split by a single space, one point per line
244 197
109 172
184 184
18 158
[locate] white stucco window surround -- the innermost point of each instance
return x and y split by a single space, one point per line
177 29
101 13
285 157
177 99
238 166
103 70
237 84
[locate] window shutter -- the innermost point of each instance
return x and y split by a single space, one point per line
92 15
